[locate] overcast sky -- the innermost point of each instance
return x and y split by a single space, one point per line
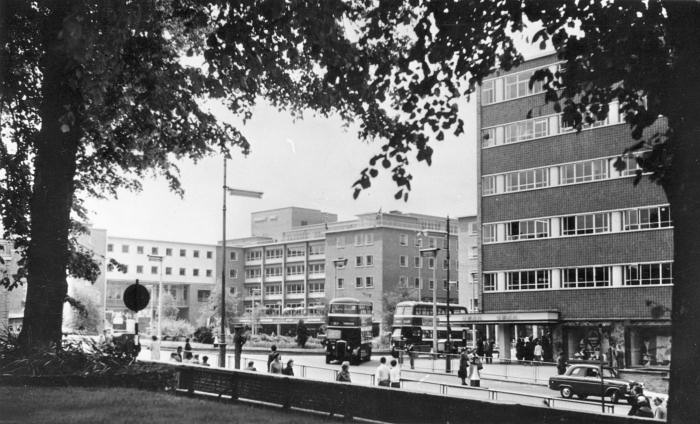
310 163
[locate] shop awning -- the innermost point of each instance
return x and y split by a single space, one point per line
536 317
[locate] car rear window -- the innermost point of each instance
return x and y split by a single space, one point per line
578 371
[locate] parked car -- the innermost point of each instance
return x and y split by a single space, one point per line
583 380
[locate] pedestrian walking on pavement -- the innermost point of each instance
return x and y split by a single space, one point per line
276 365
463 365
411 355
271 356
395 374
381 375
155 349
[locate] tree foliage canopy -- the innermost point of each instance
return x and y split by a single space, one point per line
95 94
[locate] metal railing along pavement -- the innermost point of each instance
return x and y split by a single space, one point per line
513 370
308 371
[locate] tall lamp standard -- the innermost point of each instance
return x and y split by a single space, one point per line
419 244
449 328
232 192
158 258
432 253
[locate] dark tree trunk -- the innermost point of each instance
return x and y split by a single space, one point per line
51 202
683 190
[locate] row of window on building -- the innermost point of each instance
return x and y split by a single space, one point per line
154 270
279 252
368 239
418 283
360 283
125 248
558 175
289 288
572 225
418 262
645 274
512 86
542 126
289 308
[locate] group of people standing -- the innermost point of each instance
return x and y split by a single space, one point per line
470 367
387 376
180 355
529 349
484 349
274 363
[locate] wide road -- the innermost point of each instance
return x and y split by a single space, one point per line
314 366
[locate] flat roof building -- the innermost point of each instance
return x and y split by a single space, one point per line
293 276
573 253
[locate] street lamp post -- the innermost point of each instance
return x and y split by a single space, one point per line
233 192
419 244
602 382
432 253
449 328
254 308
158 258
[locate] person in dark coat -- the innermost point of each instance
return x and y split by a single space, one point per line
561 363
520 350
463 365
480 348
271 356
488 351
288 370
529 349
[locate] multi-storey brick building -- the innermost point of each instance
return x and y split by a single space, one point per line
291 273
571 248
187 272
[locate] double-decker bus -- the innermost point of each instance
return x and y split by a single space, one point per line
413 325
348 330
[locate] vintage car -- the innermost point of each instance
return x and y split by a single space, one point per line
584 380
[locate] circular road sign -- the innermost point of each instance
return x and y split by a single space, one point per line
136 297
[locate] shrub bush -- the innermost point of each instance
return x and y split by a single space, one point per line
176 328
286 342
81 361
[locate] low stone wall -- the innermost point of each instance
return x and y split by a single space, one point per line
374 403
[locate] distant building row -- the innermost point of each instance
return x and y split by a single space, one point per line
295 261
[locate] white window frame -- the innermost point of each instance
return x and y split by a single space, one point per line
591 223
586 277
528 229
647 218
528 280
641 269
489 233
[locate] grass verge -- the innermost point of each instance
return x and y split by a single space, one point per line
77 405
